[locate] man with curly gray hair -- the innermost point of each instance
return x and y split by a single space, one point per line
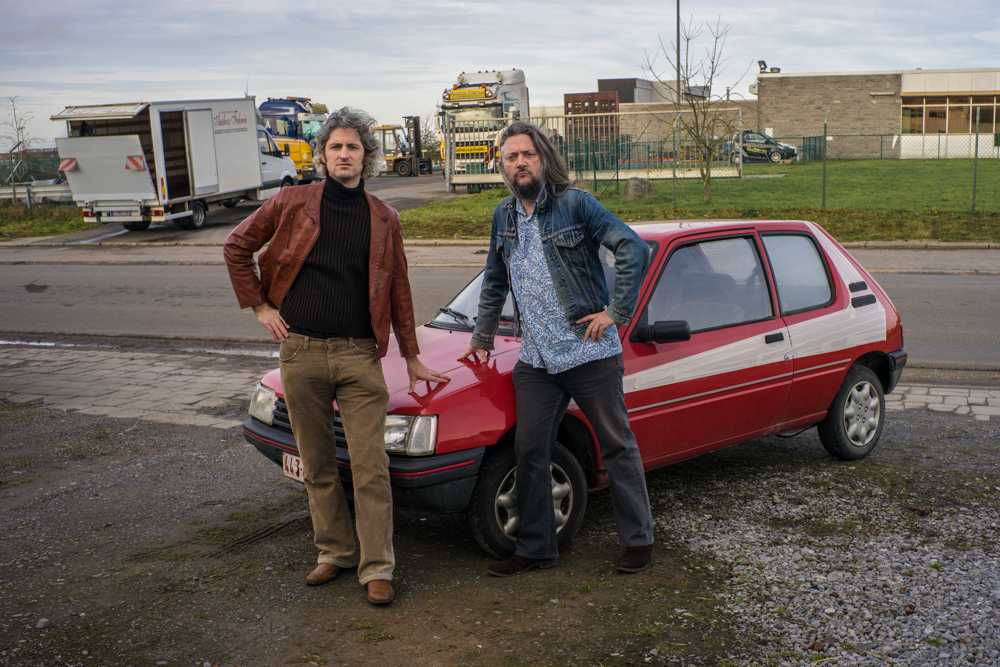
331 281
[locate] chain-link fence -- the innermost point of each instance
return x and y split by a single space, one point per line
750 170
595 147
29 169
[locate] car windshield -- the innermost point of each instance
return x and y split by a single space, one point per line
461 312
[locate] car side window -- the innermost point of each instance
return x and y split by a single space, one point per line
800 274
712 284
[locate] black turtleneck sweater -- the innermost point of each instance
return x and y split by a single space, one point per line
329 297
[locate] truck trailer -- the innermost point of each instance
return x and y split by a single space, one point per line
151 162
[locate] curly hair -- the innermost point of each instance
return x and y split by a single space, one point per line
554 171
360 122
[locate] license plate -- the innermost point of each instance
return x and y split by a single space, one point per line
125 214
291 466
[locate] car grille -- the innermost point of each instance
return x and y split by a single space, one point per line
279 419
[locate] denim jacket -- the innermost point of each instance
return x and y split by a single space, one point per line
572 227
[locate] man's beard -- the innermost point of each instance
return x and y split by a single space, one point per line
526 189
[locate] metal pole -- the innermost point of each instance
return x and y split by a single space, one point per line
825 121
677 92
975 162
739 146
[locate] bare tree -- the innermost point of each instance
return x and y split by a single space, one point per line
703 118
17 138
430 138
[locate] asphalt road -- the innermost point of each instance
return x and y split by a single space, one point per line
949 321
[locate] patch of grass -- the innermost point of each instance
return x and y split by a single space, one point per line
375 636
17 221
585 587
237 516
867 200
364 624
11 485
646 630
312 659
934 641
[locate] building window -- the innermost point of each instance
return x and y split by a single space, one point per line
952 114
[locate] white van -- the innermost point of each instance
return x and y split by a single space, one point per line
155 161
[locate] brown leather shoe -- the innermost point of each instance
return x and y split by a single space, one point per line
516 565
380 591
635 559
323 573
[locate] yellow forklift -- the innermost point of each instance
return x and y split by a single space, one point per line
402 148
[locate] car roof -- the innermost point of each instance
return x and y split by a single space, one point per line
665 230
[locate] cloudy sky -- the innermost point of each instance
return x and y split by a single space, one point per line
394 58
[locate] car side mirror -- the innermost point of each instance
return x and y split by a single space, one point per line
284 150
662 332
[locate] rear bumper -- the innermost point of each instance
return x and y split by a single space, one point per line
438 483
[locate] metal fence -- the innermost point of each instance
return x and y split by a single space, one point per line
596 147
896 146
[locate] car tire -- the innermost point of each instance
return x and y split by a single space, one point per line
403 168
853 425
774 157
287 183
199 213
136 225
492 510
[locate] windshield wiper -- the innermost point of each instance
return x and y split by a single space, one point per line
457 315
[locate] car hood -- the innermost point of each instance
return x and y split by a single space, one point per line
439 351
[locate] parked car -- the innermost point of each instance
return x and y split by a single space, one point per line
744 329
758 147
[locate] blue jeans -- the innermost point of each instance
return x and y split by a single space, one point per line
542 399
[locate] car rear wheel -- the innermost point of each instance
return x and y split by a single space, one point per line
735 158
492 511
852 426
774 157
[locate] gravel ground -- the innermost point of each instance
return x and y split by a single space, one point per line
891 560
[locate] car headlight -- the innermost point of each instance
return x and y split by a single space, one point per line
262 404
413 436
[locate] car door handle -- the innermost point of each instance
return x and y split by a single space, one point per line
774 338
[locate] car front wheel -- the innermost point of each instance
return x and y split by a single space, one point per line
492 513
774 157
852 426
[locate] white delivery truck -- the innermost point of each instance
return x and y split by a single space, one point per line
155 161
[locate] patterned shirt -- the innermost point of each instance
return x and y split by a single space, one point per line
546 339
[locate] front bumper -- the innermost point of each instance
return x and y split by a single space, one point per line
897 360
437 483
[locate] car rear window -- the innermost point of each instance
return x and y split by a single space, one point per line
710 285
800 274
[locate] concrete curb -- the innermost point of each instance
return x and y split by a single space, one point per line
867 245
920 245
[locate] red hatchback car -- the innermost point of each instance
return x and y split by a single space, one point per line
744 329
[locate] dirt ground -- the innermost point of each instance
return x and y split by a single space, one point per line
135 543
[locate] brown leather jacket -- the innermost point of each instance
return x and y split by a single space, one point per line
288 223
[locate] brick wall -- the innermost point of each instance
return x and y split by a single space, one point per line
796 105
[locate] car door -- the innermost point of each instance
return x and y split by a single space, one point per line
813 286
270 166
732 377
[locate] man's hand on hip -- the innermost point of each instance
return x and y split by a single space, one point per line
418 372
477 353
269 316
598 323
